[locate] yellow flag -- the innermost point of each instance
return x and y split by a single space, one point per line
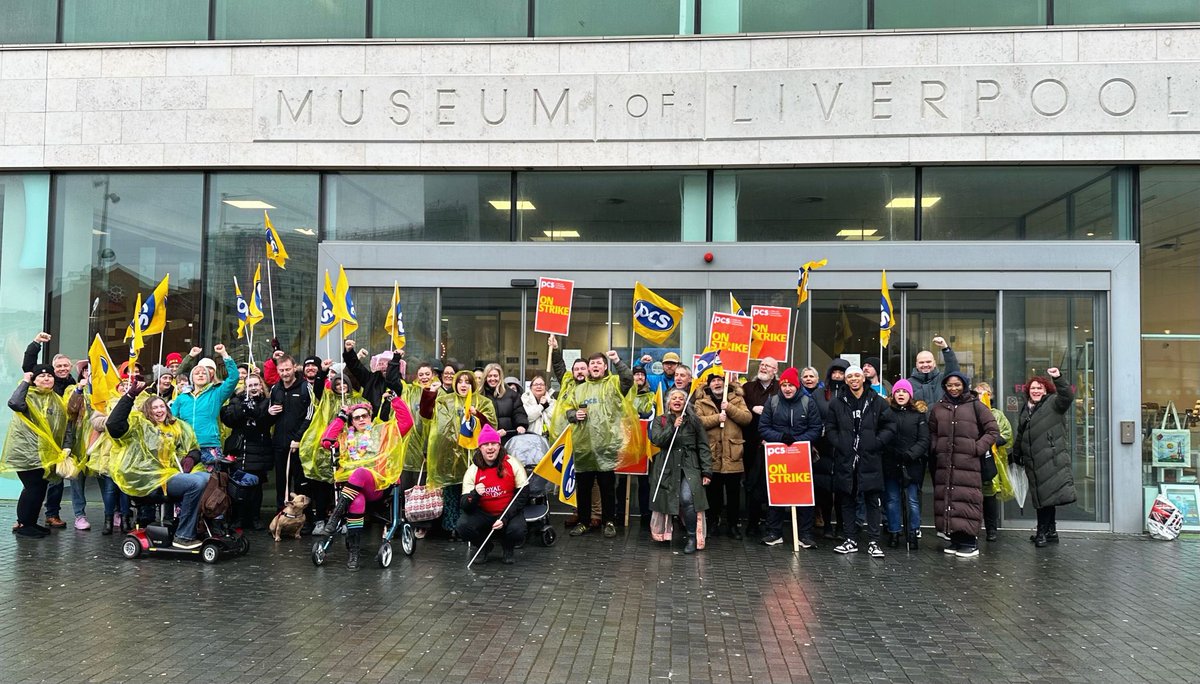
275 250
394 324
153 312
103 375
802 280
707 364
558 466
343 305
137 342
254 312
243 309
654 318
886 321
470 427
327 315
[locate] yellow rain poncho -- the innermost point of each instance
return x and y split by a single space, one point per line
35 438
447 461
1001 486
313 458
148 455
414 451
611 436
380 449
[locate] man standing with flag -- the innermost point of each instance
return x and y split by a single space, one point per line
600 411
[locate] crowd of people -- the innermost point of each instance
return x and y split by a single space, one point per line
343 433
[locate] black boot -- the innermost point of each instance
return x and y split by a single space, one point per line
508 557
127 522
713 526
913 545
338 514
1052 533
353 546
690 546
992 534
1039 539
108 525
893 540
735 531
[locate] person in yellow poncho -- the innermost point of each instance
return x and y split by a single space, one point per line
999 489
33 447
447 460
370 456
149 449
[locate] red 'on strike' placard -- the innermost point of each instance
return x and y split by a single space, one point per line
553 306
731 334
772 325
789 474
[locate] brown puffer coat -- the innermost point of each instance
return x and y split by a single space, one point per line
962 430
726 444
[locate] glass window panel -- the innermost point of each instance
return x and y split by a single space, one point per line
689 337
419 305
1170 225
24 214
119 234
100 21
589 331
1044 330
481 326
451 18
28 21
613 17
624 206
1018 203
1124 12
846 323
814 205
236 244
438 206
938 13
265 19
792 15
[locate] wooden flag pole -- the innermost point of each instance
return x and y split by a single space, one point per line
795 532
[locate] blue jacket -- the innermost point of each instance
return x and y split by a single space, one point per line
202 410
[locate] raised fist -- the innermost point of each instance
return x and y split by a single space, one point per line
196 351
220 349
612 355
349 344
42 337
940 342
1053 372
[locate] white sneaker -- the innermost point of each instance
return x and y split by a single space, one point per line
874 550
848 546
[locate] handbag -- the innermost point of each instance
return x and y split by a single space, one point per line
1170 447
422 503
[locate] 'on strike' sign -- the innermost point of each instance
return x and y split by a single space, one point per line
789 474
553 306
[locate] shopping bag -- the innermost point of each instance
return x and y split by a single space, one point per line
1170 447
1164 521
1020 483
422 503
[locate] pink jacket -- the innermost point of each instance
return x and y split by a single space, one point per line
404 423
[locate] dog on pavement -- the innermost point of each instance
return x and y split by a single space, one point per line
287 523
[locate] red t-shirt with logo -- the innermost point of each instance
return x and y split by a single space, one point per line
498 491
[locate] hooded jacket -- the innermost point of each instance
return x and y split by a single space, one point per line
906 455
1044 448
510 411
831 390
963 430
927 387
858 449
725 444
251 423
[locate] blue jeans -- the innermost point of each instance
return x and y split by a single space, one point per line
187 488
78 497
210 455
54 494
892 504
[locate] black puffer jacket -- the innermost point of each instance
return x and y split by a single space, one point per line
833 389
510 412
859 450
904 460
1043 447
250 441
963 431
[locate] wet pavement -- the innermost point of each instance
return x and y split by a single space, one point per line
1093 608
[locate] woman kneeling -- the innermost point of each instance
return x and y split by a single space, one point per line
493 497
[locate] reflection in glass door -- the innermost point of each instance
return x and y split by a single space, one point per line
1067 330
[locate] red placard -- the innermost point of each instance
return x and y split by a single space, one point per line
772 325
642 465
553 306
789 474
731 334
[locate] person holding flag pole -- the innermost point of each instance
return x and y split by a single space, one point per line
494 496
276 253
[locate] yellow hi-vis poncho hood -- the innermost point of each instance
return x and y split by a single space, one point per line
447 460
380 449
611 435
34 440
313 458
148 455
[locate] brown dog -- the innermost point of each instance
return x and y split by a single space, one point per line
287 523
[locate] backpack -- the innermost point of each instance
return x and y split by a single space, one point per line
805 401
214 502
